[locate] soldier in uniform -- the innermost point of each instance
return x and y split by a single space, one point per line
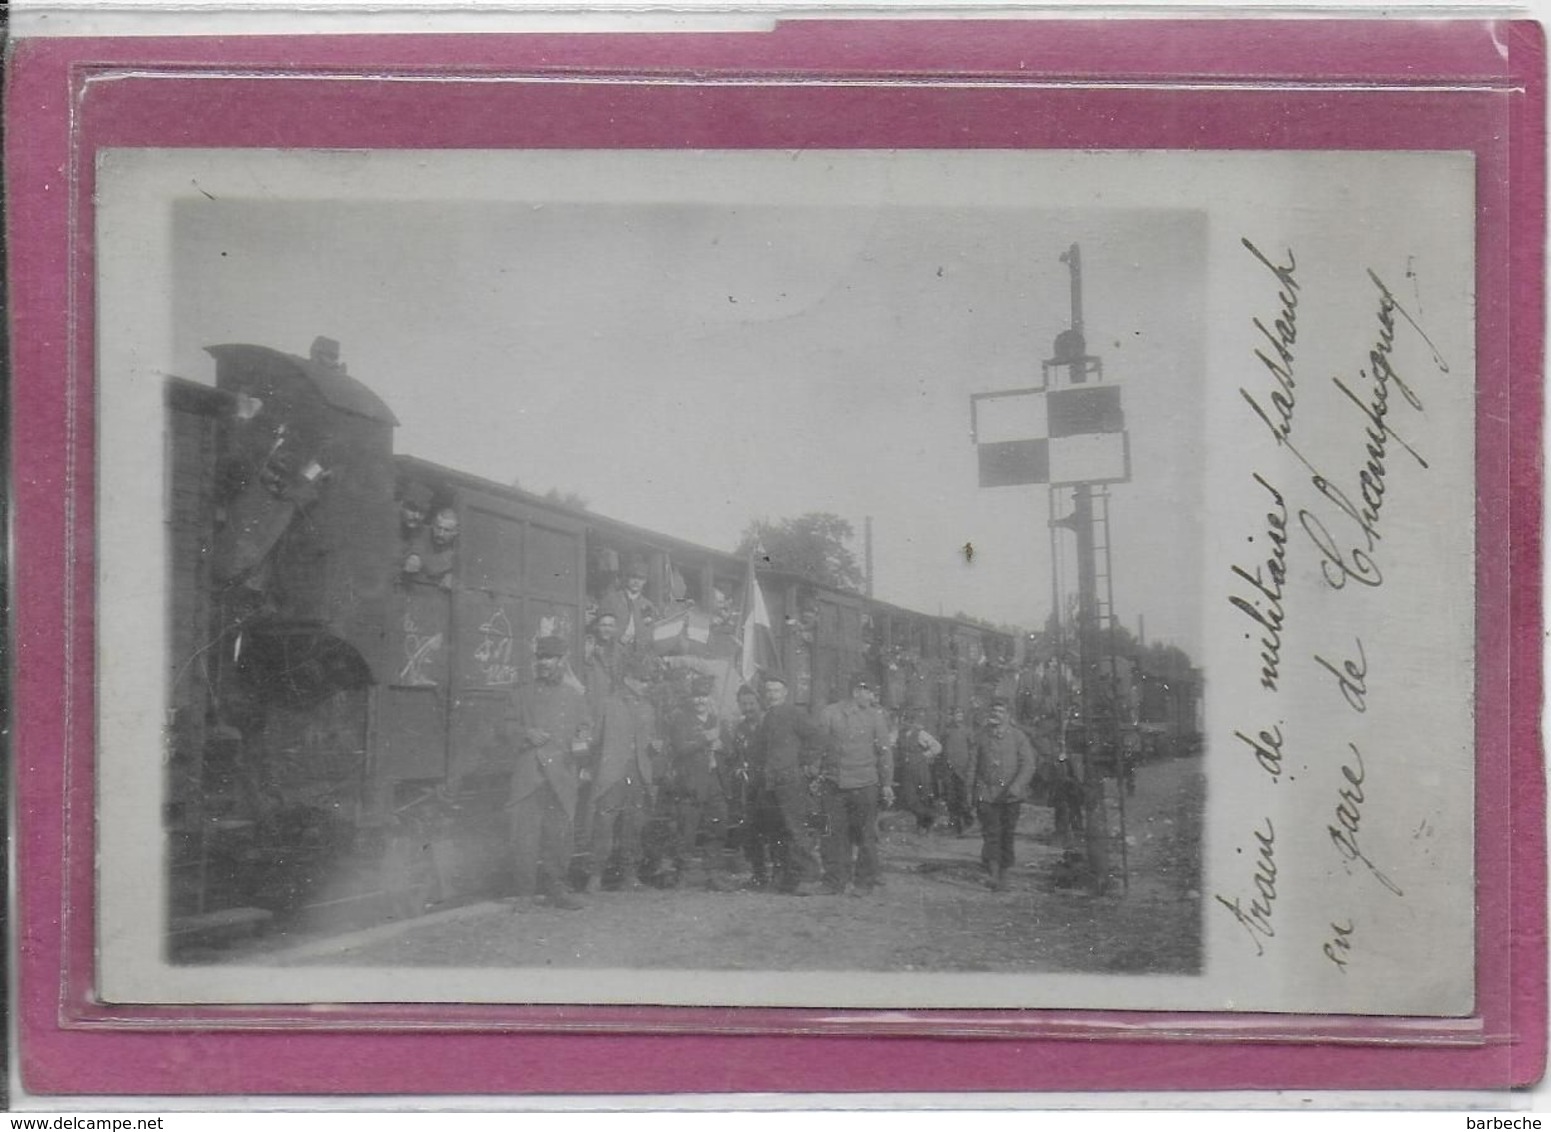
953 770
917 752
1000 772
432 553
858 767
738 782
604 664
547 730
625 740
414 502
633 611
1065 774
695 744
783 762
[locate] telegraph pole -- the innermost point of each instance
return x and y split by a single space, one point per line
867 550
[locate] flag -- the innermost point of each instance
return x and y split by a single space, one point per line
759 651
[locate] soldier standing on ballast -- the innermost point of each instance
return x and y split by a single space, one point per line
546 728
695 744
858 767
626 726
953 770
916 753
783 761
1000 771
738 738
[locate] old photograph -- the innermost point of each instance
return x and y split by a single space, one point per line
781 578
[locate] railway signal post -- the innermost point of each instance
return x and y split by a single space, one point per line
1068 433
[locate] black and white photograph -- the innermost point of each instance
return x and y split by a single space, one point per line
855 579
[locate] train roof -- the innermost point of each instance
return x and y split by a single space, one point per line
333 384
194 396
416 465
956 622
733 563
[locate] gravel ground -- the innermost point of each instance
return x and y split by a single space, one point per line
933 912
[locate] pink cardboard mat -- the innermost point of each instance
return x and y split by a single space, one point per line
1230 86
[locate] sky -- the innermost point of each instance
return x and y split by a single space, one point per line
690 363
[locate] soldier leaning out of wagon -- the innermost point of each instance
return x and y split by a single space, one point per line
1000 770
695 744
625 730
546 732
633 611
432 554
414 504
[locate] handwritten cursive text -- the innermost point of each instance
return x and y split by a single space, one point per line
1256 920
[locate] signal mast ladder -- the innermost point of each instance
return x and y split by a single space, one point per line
1108 770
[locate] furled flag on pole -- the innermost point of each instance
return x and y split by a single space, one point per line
759 651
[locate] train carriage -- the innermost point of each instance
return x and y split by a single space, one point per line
347 623
460 630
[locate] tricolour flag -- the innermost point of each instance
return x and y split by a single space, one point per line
759 651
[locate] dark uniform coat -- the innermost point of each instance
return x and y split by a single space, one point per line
738 782
560 711
626 727
788 741
602 675
956 748
692 741
1002 767
633 615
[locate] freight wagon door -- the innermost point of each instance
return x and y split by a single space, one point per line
522 571
413 717
838 652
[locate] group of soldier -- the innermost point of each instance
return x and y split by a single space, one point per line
606 795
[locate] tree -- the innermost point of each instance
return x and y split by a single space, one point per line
568 499
812 546
980 621
985 623
1168 661
565 498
